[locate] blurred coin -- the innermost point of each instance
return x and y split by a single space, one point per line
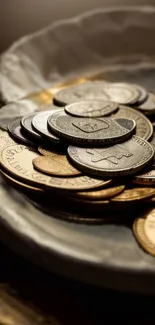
149 105
17 133
17 160
143 94
121 93
39 123
84 130
153 145
144 128
144 231
5 140
55 164
26 123
4 121
91 108
126 158
134 194
104 193
147 178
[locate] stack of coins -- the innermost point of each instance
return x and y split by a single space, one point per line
90 156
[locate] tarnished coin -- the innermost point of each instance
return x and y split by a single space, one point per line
104 193
17 160
121 93
26 123
144 231
144 128
91 108
55 164
17 133
126 158
84 130
134 194
149 105
85 91
39 122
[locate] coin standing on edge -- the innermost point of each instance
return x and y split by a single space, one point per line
126 158
27 126
91 108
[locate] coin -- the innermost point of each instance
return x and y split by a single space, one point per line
17 133
5 121
84 130
126 158
81 92
144 128
149 105
17 160
26 123
91 108
146 178
39 123
104 193
5 140
55 164
144 231
127 123
143 94
134 194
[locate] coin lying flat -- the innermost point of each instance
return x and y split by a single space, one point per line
27 126
149 105
83 130
17 160
134 194
39 122
17 133
5 140
91 108
81 92
146 178
4 121
144 231
55 164
126 158
104 193
144 128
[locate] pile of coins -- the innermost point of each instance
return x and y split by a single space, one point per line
88 157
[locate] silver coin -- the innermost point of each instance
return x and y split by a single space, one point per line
91 108
81 92
127 123
149 105
121 93
143 94
26 123
126 158
4 122
84 130
39 122
17 133
153 145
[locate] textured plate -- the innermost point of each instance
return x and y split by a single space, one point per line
106 255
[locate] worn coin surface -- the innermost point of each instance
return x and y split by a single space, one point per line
17 133
39 123
144 128
134 194
17 160
91 108
126 158
149 105
104 193
83 130
55 164
144 231
26 123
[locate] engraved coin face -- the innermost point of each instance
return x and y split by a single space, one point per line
144 128
86 91
17 133
91 108
39 122
121 93
104 193
26 123
17 160
55 164
149 105
5 140
126 158
87 130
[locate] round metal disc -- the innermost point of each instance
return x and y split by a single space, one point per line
16 132
126 158
26 123
143 93
149 105
91 108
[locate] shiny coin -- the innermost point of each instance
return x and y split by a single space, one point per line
81 92
134 194
55 164
27 126
39 123
126 158
144 231
146 178
17 133
121 93
144 128
149 105
91 108
84 130
17 160
104 193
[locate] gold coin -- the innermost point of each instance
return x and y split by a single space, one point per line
144 128
5 140
105 193
144 231
145 179
17 159
54 163
134 194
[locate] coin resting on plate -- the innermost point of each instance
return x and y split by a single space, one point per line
126 158
91 108
91 131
